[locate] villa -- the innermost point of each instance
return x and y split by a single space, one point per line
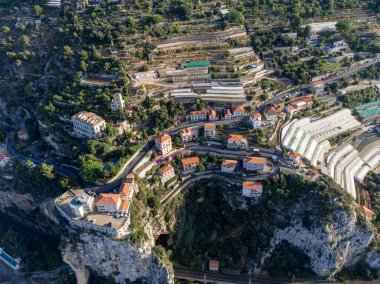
252 189
235 141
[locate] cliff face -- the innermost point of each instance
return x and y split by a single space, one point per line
116 259
330 248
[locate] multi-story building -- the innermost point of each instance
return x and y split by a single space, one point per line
209 130
282 115
239 111
252 189
88 124
254 163
198 115
190 163
270 114
336 46
229 166
227 113
235 141
189 134
82 204
117 102
164 143
255 120
108 202
166 173
212 115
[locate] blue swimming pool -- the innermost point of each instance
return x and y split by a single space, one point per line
8 259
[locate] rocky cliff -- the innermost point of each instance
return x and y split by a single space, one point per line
330 247
116 259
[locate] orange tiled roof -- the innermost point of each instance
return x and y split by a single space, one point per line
368 212
212 112
163 138
229 163
235 137
185 131
252 185
124 205
256 115
294 154
190 160
22 132
238 109
282 114
124 189
108 199
213 263
209 126
165 169
255 160
198 112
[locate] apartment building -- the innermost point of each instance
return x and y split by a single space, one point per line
190 163
212 115
189 134
239 111
227 114
82 204
198 115
166 173
229 166
108 202
255 120
88 124
117 102
270 114
164 143
254 163
209 130
235 141
252 189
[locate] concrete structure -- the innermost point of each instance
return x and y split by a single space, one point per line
229 166
166 173
252 189
117 102
189 134
209 130
13 263
198 115
254 163
235 141
82 204
255 120
310 139
164 143
190 163
88 124
290 35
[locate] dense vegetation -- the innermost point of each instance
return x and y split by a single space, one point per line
356 98
212 228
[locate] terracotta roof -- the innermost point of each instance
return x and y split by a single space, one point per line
366 211
294 154
163 138
165 169
124 189
124 205
255 160
239 109
185 131
252 185
108 199
256 115
235 137
213 264
198 112
291 107
282 114
22 132
270 111
209 126
229 163
3 155
190 160
212 112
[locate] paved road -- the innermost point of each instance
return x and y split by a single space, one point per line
212 277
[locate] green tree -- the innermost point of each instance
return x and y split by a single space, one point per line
47 171
37 10
201 168
91 168
67 52
5 29
343 25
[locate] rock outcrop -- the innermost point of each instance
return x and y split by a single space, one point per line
331 247
111 258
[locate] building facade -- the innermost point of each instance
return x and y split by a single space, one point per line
229 166
209 130
190 163
254 163
166 173
235 141
88 125
164 143
252 189
117 102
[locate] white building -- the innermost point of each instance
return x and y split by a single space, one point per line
252 189
164 143
255 120
270 114
88 124
198 115
254 163
166 173
108 203
82 204
235 141
189 134
190 163
117 102
239 111
209 130
229 166
336 46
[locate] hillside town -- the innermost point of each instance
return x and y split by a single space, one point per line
116 115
